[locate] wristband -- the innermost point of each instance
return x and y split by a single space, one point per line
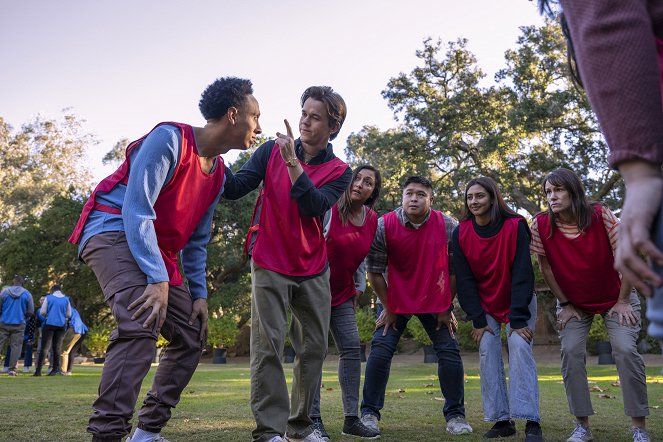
565 303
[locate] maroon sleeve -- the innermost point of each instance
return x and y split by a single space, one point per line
614 42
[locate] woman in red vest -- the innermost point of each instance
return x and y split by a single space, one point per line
575 241
349 229
495 283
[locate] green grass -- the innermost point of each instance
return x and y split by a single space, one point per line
215 405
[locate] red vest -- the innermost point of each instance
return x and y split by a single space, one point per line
287 242
490 260
583 266
347 246
418 266
181 203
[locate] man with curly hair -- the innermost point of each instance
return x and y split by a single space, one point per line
156 206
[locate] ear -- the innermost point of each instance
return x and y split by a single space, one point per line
232 115
335 128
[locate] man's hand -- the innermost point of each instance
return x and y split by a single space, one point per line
355 299
449 320
477 333
644 189
526 333
386 319
565 315
156 297
624 312
200 311
286 143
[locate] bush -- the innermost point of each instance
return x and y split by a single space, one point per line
418 332
222 331
597 333
97 339
464 336
365 324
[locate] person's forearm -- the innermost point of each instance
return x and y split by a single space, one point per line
379 285
314 202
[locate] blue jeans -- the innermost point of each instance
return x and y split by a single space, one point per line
521 401
449 366
343 326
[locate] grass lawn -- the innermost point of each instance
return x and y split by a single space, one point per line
215 405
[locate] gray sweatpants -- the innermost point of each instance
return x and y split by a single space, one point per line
630 366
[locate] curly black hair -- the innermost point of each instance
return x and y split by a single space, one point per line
224 93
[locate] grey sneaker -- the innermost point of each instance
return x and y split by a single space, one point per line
371 422
581 434
640 435
315 436
159 438
277 439
318 425
458 425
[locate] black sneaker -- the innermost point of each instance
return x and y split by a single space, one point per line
501 429
318 425
533 432
358 429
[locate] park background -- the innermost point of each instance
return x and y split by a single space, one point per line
449 90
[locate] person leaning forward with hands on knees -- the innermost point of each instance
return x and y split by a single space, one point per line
574 242
154 212
302 180
411 249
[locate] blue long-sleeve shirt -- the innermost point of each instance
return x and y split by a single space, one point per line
153 164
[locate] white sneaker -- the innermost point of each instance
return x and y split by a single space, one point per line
458 425
581 434
277 439
4 370
371 421
26 369
640 435
315 436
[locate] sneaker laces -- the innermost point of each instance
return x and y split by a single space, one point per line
640 435
580 430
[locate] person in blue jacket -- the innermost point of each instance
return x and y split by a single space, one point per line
15 304
57 311
72 336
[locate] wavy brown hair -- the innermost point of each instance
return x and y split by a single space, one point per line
344 205
581 206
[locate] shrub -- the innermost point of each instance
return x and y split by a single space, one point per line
98 337
418 332
365 324
222 331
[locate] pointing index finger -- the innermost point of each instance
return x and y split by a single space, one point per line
288 129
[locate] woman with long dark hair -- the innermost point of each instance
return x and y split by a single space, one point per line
349 230
495 284
574 242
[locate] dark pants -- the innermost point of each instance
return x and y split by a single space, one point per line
131 350
51 340
449 366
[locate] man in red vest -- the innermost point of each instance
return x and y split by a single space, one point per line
411 247
302 180
157 205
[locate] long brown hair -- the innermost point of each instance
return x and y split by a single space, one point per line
344 204
581 206
498 208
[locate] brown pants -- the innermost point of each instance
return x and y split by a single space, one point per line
131 350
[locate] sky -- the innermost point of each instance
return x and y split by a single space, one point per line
125 65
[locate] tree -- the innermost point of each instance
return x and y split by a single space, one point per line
117 154
530 120
37 247
44 159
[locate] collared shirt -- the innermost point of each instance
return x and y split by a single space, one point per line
377 259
